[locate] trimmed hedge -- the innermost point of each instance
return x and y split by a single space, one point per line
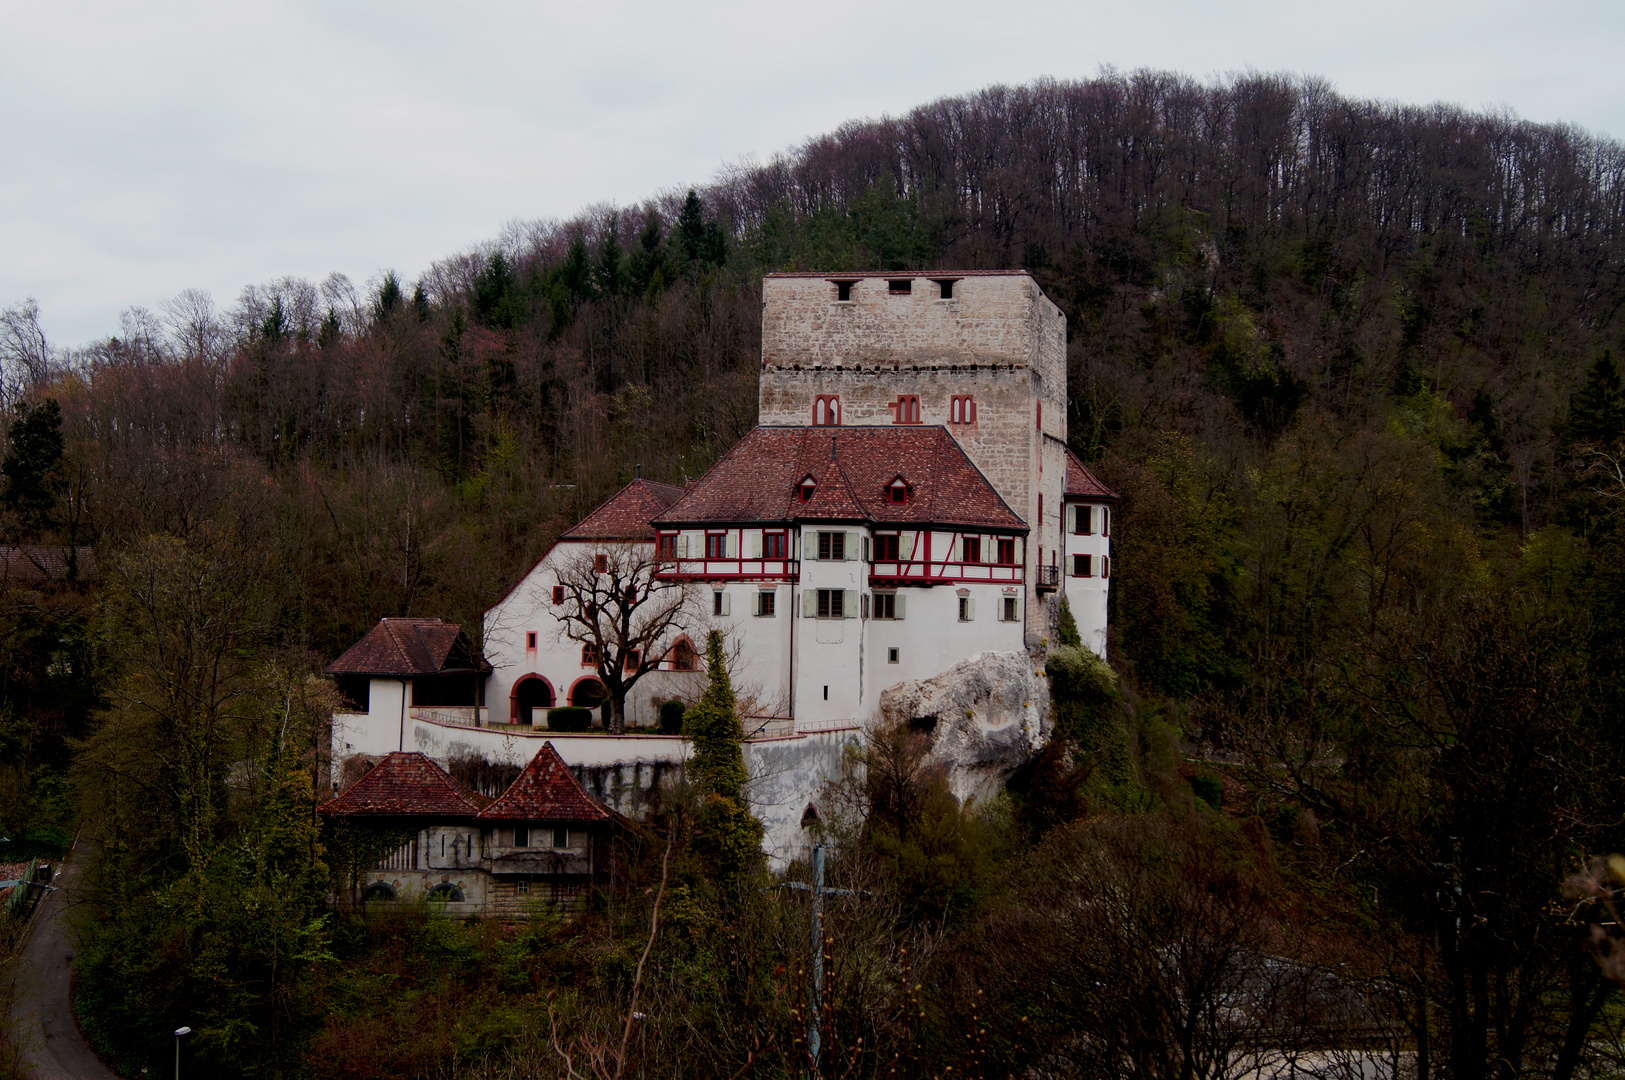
569 718
671 716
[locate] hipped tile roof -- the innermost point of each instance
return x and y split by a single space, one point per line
758 480
46 562
626 515
545 791
1082 483
409 647
404 784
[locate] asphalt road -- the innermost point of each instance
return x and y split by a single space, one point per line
52 1044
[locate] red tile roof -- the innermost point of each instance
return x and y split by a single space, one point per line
1082 483
626 515
40 562
404 784
409 647
898 275
545 791
758 480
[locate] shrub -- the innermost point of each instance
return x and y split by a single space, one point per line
1207 787
569 718
671 716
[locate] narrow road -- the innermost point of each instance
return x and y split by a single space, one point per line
52 1044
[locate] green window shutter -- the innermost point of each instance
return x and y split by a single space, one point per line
970 610
809 603
958 554
682 545
809 551
756 544
725 605
852 546
900 601
849 605
865 549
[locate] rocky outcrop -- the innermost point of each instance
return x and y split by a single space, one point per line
986 716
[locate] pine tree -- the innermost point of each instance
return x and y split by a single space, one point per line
612 268
730 838
33 464
1066 627
1597 410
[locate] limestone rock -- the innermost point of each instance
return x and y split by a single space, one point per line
987 716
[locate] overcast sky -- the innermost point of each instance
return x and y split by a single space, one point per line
154 147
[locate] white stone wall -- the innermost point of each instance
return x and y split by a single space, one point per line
1087 596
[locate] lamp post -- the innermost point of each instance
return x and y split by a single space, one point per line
180 1032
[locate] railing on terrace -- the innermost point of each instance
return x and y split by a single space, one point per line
1049 577
453 715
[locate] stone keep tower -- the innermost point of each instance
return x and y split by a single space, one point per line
980 352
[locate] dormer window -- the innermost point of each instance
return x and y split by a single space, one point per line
826 410
805 491
897 493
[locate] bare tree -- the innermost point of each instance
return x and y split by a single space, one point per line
623 614
25 355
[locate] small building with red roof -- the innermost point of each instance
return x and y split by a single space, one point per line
543 839
1086 562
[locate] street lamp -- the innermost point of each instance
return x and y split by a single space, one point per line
179 1033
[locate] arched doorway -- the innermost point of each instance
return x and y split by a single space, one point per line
529 694
588 692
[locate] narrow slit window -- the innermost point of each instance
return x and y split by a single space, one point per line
530 640
907 409
558 594
962 409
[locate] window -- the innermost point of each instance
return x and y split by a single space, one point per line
1080 566
522 886
830 604
767 603
1105 521
634 660
886 547
885 605
631 595
1007 553
719 602
775 545
716 545
826 410
946 287
897 494
1082 524
558 594
589 655
600 564
962 409
666 546
521 836
972 549
1039 424
682 657
967 609
530 641
808 486
832 546
561 837
907 409
892 655
1008 611
900 288
843 290
1105 567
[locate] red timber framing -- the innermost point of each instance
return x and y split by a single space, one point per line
936 558
768 557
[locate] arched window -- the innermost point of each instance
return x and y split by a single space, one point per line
446 892
962 409
826 410
588 693
530 693
379 891
682 656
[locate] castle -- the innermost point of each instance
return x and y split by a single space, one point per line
908 501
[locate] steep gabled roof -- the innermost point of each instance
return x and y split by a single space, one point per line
1081 483
404 784
627 514
409 647
46 562
545 791
758 479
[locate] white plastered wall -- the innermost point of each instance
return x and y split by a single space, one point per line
1087 596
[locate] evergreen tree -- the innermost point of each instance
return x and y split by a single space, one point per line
389 297
648 262
691 227
493 294
1066 627
612 270
33 464
730 838
1597 410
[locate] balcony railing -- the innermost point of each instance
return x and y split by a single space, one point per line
1049 577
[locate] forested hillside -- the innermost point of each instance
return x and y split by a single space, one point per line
1351 365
